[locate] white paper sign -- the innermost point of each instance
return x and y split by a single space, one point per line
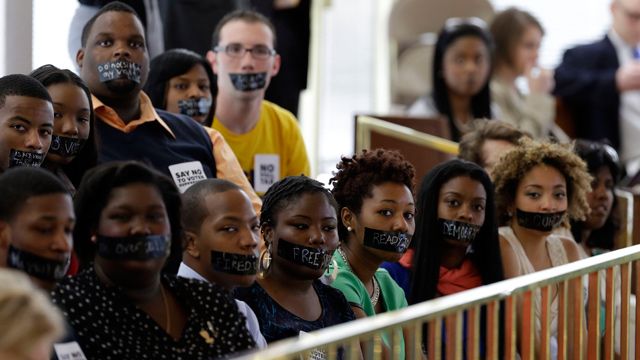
186 174
69 351
266 171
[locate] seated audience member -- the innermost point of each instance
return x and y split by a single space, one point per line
597 233
488 141
517 35
265 137
114 63
30 323
181 82
36 222
121 305
456 232
539 187
374 191
73 148
26 121
221 236
298 217
461 73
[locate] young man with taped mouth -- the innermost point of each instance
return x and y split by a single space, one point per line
114 62
26 122
265 137
222 233
36 224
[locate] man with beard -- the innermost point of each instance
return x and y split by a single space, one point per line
114 62
265 137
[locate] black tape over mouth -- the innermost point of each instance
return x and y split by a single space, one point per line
392 241
37 266
66 146
194 107
235 264
137 247
119 69
313 258
458 231
249 81
539 221
25 158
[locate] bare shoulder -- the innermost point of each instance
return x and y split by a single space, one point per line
510 264
571 248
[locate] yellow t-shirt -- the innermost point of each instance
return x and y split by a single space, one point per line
272 150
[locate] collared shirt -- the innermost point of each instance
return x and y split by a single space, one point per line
629 109
228 167
147 114
252 322
110 326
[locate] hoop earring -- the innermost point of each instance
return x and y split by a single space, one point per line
329 277
264 263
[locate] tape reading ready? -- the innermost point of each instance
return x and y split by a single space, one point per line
186 174
396 242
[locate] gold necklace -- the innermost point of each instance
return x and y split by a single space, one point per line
166 309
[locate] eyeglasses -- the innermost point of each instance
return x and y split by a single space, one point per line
235 50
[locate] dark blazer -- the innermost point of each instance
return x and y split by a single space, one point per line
586 83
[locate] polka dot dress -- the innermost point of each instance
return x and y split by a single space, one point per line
109 326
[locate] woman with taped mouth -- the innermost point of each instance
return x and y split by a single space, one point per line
122 305
539 188
182 82
456 235
374 190
299 228
73 149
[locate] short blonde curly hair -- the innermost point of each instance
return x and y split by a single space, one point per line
513 166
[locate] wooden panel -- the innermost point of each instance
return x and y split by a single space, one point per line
422 158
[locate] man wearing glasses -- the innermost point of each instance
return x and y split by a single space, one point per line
265 137
600 84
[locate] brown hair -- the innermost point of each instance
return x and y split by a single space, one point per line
516 163
470 147
248 16
507 29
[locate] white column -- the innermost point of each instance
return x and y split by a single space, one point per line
16 39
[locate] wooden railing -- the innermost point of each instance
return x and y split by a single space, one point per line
593 343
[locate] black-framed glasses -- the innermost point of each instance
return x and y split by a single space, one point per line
235 50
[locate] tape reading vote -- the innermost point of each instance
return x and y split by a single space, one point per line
37 266
65 146
539 221
249 82
459 231
142 247
25 158
119 69
310 257
397 242
235 264
194 107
